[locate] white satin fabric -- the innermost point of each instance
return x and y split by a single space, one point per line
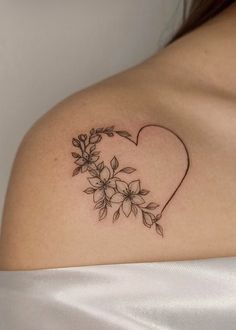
193 294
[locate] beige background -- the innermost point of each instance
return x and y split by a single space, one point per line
52 48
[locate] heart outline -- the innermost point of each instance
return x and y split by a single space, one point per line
128 195
186 152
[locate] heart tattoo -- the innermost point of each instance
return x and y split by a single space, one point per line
107 186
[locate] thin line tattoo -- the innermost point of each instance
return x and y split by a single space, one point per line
106 186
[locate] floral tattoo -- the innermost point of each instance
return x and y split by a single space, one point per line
106 186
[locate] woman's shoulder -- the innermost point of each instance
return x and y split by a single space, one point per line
112 175
48 218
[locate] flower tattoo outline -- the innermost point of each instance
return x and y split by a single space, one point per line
106 186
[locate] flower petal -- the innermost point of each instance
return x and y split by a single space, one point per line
105 174
117 198
93 159
80 161
112 183
86 155
95 182
134 187
136 199
109 192
92 166
126 206
122 187
98 195
84 168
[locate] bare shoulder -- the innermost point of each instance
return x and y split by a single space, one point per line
105 178
49 221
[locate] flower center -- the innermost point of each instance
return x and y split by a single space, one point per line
128 195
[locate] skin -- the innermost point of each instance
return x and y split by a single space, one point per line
189 87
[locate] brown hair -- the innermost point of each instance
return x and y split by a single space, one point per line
200 11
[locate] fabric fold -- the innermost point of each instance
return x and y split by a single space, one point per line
170 295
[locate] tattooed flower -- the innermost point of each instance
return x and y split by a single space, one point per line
128 195
87 160
105 185
82 137
95 138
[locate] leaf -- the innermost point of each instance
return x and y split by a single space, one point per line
100 166
144 192
76 171
75 142
92 131
123 133
114 163
109 129
75 155
95 138
151 206
95 153
82 137
89 190
102 213
92 148
127 170
134 209
100 204
158 217
159 230
148 219
99 130
116 215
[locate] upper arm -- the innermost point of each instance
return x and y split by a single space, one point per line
35 202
